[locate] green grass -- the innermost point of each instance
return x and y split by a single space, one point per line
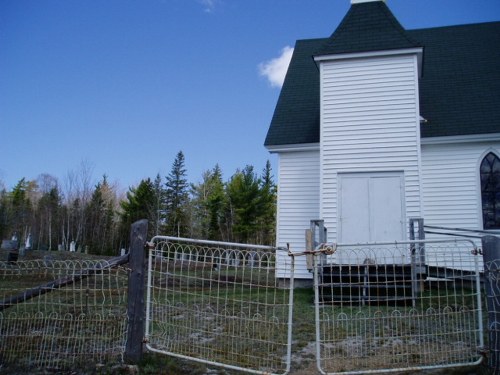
231 315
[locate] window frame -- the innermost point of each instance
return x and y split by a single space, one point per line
491 206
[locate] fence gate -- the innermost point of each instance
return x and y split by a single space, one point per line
380 309
219 303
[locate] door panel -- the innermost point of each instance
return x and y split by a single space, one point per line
354 203
386 209
371 207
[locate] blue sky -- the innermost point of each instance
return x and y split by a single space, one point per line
123 85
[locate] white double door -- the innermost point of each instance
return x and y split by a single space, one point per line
371 207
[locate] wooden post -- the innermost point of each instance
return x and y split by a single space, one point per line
491 259
136 311
309 247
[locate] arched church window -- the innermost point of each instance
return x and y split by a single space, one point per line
490 191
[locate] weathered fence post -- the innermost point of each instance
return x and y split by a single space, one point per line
136 284
491 259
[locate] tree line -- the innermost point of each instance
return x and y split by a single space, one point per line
95 217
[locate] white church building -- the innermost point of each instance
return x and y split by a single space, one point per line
378 124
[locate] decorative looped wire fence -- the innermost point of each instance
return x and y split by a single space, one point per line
374 307
218 303
379 308
62 314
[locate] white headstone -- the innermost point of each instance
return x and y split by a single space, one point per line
28 242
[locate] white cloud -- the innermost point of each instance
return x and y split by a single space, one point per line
209 5
275 69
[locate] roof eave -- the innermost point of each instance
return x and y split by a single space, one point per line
466 138
273 149
419 51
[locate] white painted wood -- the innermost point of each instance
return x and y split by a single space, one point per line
387 208
371 209
451 188
298 203
370 122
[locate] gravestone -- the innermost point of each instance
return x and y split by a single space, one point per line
12 247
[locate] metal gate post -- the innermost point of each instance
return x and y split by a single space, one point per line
418 268
491 259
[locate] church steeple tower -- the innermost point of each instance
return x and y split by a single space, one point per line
368 26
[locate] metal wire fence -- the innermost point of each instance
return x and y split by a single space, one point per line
62 314
378 307
491 253
219 303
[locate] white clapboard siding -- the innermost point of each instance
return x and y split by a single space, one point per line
369 123
298 203
451 189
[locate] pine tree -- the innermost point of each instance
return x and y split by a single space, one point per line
4 207
215 203
199 197
139 204
49 213
242 209
100 216
20 212
159 214
177 199
208 203
267 214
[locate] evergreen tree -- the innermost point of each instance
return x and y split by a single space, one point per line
199 196
159 214
267 214
49 215
215 202
242 209
101 220
208 203
177 199
139 204
20 212
4 207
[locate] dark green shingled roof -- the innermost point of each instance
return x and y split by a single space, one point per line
296 117
367 27
459 89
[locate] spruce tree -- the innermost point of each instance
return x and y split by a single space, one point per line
208 203
177 199
215 204
159 213
267 214
242 209
139 204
